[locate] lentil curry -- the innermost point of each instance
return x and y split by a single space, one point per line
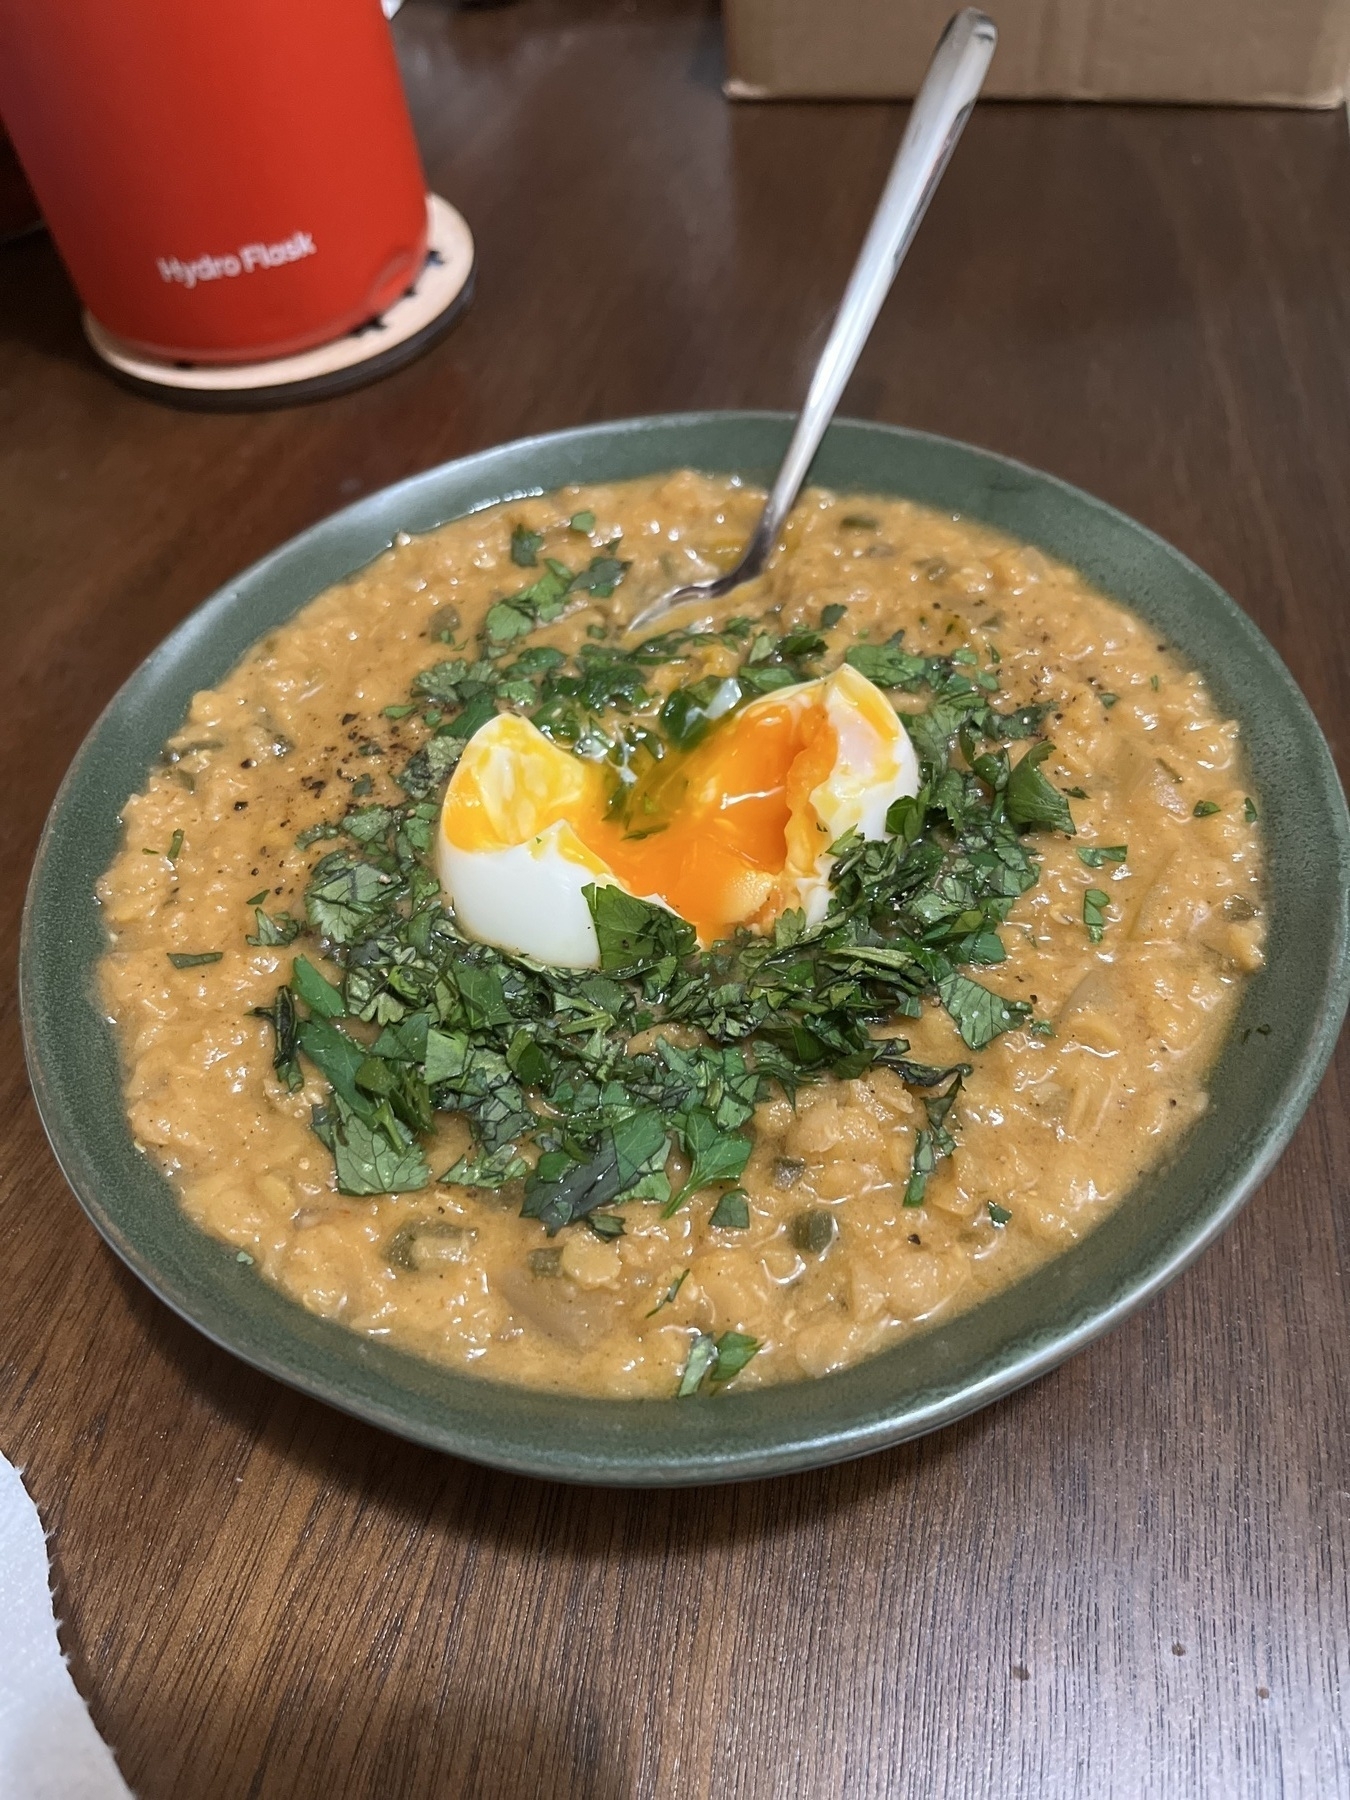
752 1161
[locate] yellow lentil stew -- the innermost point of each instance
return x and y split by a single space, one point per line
697 1164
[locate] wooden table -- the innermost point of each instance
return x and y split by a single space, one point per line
1128 1579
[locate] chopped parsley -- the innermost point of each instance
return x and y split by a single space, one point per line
195 959
1095 856
998 1215
404 1018
1203 809
584 522
1249 811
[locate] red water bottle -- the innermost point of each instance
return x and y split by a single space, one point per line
226 183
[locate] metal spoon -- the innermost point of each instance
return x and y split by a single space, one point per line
936 121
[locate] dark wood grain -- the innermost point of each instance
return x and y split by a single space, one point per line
1129 1579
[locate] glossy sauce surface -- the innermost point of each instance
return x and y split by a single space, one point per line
1053 1130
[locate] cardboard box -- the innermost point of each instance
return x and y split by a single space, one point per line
1250 52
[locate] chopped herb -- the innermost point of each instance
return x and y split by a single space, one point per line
1095 903
281 1016
1031 800
998 1215
631 1156
979 1014
831 615
492 1171
258 898
194 959
934 1141
1249 811
717 1359
242 1256
1203 809
701 1358
887 664
1154 683
714 1155
317 992
1108 700
1093 856
858 522
268 930
670 1293
1076 793
401 711
583 522
175 846
413 1019
525 547
734 1350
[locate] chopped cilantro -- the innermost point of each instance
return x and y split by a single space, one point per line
714 1155
716 1359
584 522
268 930
633 933
702 1356
670 1293
1093 856
734 1350
998 1215
175 846
934 1141
1108 700
401 711
317 992
525 547
258 898
1031 799
182 959
979 1014
1203 809
632 1149
831 615
1095 903
1249 811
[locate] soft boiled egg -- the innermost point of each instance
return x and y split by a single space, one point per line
730 832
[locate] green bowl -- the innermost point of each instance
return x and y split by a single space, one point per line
1263 1082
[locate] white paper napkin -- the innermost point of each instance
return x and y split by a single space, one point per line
49 1749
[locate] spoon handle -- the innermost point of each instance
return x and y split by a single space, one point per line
937 119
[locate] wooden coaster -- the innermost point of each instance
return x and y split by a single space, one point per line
428 309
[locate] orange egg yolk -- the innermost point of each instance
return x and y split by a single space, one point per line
712 829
